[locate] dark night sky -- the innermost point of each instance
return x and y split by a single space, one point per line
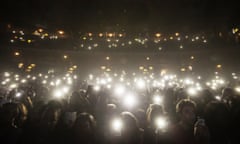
75 14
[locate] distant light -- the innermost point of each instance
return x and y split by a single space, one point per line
120 35
218 98
100 34
40 30
65 56
20 65
190 68
141 68
44 81
192 57
107 58
61 32
157 34
96 88
75 66
219 66
235 77
147 58
103 67
12 86
237 89
90 34
23 81
18 94
176 34
183 69
235 30
6 74
33 78
110 34
4 83
16 53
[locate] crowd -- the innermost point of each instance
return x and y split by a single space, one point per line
88 116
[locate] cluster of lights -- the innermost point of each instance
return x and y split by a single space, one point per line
20 35
125 87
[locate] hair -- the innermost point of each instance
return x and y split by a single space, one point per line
183 103
152 110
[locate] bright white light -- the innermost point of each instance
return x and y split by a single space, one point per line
65 89
235 77
34 78
157 99
119 90
221 81
237 89
109 79
6 74
117 125
44 81
199 88
121 79
218 98
96 88
58 81
58 94
91 77
18 94
75 77
52 83
161 123
140 84
130 101
109 86
3 83
12 86
208 83
192 91
69 81
103 81
23 81
188 81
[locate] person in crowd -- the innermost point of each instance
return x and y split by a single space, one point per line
130 133
217 118
154 134
84 129
10 116
186 131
